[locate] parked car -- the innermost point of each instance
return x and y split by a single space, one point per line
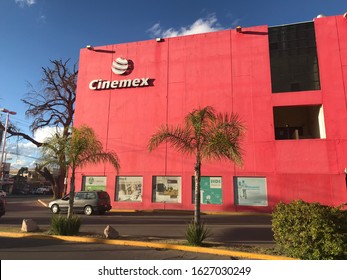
2 193
43 190
2 207
87 202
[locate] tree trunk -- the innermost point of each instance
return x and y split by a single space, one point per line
197 192
61 181
72 193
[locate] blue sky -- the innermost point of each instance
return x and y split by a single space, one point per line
34 31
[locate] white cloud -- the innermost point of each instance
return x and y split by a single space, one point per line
23 3
21 154
44 133
155 30
236 22
202 25
42 19
24 153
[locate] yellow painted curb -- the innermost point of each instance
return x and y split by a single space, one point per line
123 210
213 251
235 213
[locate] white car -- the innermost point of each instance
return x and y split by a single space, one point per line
2 193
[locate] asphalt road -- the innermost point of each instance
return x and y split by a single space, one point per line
228 230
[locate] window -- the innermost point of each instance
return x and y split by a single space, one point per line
129 188
293 58
90 195
80 195
167 189
299 122
210 190
94 183
250 191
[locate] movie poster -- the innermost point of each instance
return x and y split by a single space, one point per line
94 183
210 190
167 189
129 189
250 191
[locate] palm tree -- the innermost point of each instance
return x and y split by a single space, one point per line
81 148
54 156
206 135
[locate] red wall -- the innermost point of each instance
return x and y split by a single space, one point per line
231 72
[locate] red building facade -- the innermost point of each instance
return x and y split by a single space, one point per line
288 85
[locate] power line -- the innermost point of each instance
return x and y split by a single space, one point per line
18 154
16 120
21 120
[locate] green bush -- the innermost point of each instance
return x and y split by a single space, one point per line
196 234
61 225
310 231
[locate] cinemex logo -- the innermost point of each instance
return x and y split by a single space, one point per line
120 66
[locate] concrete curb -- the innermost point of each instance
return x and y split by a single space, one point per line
237 254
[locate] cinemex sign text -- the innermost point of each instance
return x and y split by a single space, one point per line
120 66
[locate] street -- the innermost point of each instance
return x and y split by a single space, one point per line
228 230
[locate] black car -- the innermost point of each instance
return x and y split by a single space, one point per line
2 207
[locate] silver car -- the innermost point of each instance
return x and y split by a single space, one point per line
87 202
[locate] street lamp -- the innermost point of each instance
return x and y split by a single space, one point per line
8 113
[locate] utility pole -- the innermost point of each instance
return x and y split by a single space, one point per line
8 113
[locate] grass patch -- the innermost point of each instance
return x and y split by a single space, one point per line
18 230
196 234
10 229
62 225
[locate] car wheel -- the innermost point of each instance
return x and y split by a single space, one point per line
88 210
55 209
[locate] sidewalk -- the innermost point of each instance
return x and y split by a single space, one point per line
122 242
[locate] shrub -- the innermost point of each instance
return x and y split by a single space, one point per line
61 225
196 234
310 230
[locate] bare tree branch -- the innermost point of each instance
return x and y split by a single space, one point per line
52 106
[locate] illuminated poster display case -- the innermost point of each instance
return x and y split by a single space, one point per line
167 189
250 191
210 190
94 183
129 188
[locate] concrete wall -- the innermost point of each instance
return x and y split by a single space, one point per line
231 72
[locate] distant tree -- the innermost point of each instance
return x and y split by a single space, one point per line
52 106
20 180
206 135
80 148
